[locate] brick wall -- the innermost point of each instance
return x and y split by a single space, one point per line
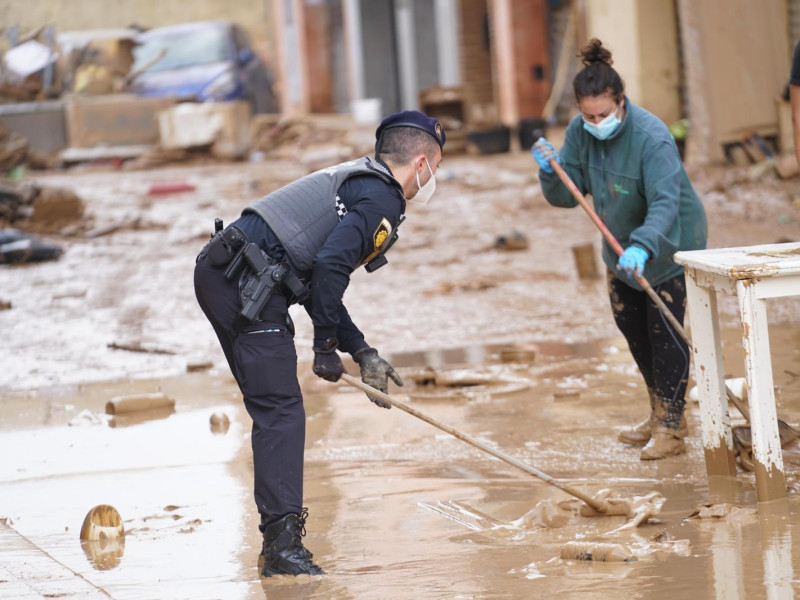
476 59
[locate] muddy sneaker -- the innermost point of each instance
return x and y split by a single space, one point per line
638 435
283 551
664 442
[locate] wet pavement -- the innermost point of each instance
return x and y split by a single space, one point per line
398 509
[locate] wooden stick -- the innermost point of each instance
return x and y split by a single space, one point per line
615 245
598 506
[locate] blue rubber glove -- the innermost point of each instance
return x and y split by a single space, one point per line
543 151
632 260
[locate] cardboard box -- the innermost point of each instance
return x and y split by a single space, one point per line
224 126
114 120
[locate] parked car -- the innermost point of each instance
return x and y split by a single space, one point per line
207 61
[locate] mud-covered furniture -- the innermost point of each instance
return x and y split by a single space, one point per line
753 274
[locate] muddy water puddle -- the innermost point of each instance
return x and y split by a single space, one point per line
397 509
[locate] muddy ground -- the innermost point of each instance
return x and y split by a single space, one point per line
397 508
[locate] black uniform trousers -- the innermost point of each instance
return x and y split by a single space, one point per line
264 364
659 351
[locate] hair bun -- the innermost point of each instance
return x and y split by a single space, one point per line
595 53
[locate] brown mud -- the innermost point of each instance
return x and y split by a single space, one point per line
398 509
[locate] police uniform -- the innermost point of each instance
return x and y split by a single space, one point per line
325 226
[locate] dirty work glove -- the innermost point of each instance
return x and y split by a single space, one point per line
375 371
543 151
327 363
632 260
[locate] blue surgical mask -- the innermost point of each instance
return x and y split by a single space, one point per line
605 128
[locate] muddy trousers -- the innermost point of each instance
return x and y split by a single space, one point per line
263 361
660 353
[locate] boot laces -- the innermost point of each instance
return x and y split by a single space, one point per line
302 521
300 550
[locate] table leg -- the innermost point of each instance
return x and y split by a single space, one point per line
709 374
767 455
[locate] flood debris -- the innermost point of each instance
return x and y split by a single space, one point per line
638 510
433 383
596 551
545 514
585 261
102 522
199 365
87 417
514 241
474 284
102 537
170 187
138 347
567 394
219 423
113 227
139 402
724 511
220 128
19 247
316 139
40 208
517 354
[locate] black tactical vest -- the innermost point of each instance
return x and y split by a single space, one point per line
303 213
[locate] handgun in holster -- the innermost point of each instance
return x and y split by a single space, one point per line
232 248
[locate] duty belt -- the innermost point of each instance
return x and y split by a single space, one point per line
231 248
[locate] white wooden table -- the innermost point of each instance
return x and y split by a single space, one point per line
752 274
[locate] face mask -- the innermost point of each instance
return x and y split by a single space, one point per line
605 128
424 192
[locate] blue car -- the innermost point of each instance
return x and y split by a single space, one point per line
208 61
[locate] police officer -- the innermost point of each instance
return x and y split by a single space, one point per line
322 227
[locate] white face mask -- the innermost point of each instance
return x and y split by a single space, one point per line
424 192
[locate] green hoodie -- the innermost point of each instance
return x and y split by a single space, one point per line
640 191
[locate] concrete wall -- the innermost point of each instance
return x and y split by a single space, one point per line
642 36
255 16
659 72
427 58
737 63
380 60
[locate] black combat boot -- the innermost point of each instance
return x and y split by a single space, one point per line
283 551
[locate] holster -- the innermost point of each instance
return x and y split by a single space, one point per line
231 249
225 245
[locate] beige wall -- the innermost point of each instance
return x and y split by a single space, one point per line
614 23
255 16
659 73
737 63
642 36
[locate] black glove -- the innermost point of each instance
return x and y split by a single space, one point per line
327 363
375 372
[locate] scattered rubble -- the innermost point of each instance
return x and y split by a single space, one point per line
219 423
139 402
728 512
39 208
18 247
516 240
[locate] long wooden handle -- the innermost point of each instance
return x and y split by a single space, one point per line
473 442
612 241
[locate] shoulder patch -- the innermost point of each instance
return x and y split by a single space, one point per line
382 233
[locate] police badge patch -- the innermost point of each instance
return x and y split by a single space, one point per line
382 233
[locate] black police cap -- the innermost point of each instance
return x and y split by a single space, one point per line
412 118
